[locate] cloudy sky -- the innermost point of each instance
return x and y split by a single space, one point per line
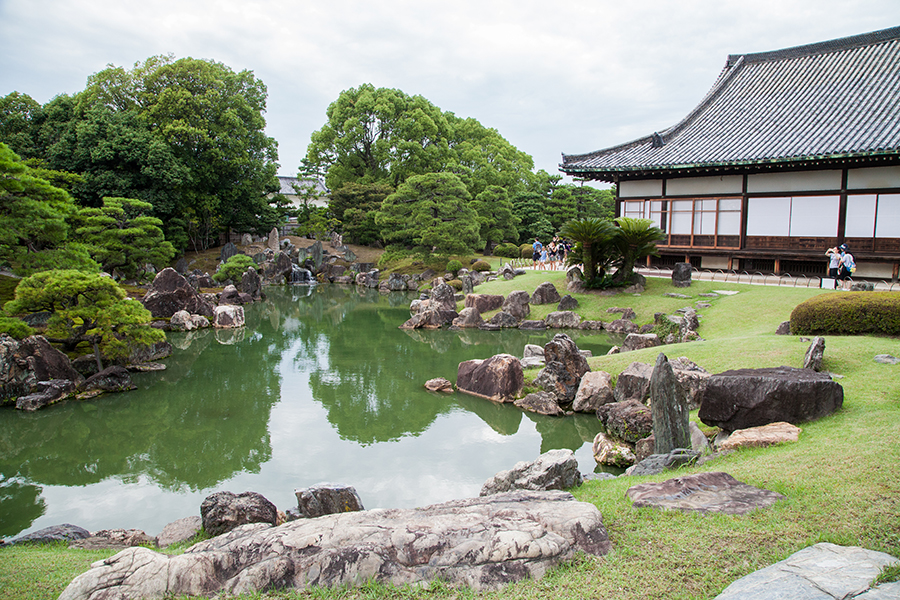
569 76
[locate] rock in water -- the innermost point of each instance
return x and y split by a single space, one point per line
483 543
668 408
553 470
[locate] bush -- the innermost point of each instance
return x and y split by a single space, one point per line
848 313
454 267
480 265
234 268
526 251
456 284
507 250
15 327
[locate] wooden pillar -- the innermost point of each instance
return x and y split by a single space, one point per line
778 266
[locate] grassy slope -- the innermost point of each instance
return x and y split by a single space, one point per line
842 479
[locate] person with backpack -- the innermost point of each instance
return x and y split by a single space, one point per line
834 263
847 268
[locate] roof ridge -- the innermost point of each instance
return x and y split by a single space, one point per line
836 45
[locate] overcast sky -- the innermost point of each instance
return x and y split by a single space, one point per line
569 76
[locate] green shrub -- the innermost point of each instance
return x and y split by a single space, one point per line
15 327
848 313
507 250
456 284
526 251
481 265
234 268
454 267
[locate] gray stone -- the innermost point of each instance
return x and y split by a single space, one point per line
439 384
545 294
784 328
273 242
704 493
114 378
171 292
621 326
45 394
114 539
498 378
634 382
481 543
824 571
563 319
552 470
674 295
655 464
681 275
532 350
542 403
862 286
504 319
179 531
669 408
629 421
594 390
228 316
745 398
533 325
327 499
814 354
517 304
468 318
223 511
54 533
483 302
567 302
627 313
228 250
639 341
251 283
887 359
611 452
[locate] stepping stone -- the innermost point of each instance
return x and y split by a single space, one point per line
704 493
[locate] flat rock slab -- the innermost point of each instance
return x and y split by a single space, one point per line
479 542
821 572
704 493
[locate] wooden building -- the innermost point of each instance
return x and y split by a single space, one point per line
791 152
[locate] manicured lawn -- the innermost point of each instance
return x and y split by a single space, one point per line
841 480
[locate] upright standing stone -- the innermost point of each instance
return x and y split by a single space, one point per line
681 275
814 354
669 408
273 241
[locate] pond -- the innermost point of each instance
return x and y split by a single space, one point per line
320 386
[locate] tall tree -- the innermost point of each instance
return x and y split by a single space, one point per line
531 208
18 114
431 212
496 219
355 206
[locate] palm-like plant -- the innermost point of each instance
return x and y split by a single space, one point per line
635 239
593 240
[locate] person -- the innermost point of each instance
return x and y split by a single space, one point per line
543 259
834 263
551 254
536 248
848 266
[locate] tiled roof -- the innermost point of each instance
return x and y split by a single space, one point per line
287 185
833 99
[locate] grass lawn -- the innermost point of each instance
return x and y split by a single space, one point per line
841 480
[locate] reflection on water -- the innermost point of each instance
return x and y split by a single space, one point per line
321 385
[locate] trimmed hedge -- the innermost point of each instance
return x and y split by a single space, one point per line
481 265
507 250
526 251
848 313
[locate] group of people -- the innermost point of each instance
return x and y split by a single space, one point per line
552 256
840 265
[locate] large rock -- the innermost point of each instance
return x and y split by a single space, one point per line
273 242
704 493
669 408
504 319
430 319
621 326
567 302
745 398
629 421
468 318
45 394
542 403
52 534
484 302
681 275
251 284
553 470
228 316
327 499
443 297
565 365
639 341
517 304
114 539
634 382
657 463
170 293
594 391
545 294
765 435
498 378
223 511
563 319
481 543
179 531
814 354
26 363
824 571
611 452
114 378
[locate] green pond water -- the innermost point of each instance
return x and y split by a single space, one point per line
320 386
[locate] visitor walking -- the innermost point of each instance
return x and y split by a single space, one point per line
536 248
834 263
847 268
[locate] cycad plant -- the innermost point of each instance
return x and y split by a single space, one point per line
635 239
594 241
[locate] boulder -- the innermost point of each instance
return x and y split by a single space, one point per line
179 531
565 366
784 328
594 390
230 295
481 543
704 493
367 279
814 354
251 284
223 511
45 394
699 445
591 325
114 378
52 534
517 304
533 350
181 321
542 403
886 359
507 272
629 421
639 341
563 319
824 571
562 349
228 250
545 294
397 282
25 363
622 326
745 398
443 297
228 317
273 242
634 382
765 435
439 384
567 302
611 452
657 463
170 293
533 325
327 499
430 319
504 319
669 408
627 313
681 275
498 378
483 302
552 470
114 539
468 318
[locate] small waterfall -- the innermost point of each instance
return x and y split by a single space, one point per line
301 275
